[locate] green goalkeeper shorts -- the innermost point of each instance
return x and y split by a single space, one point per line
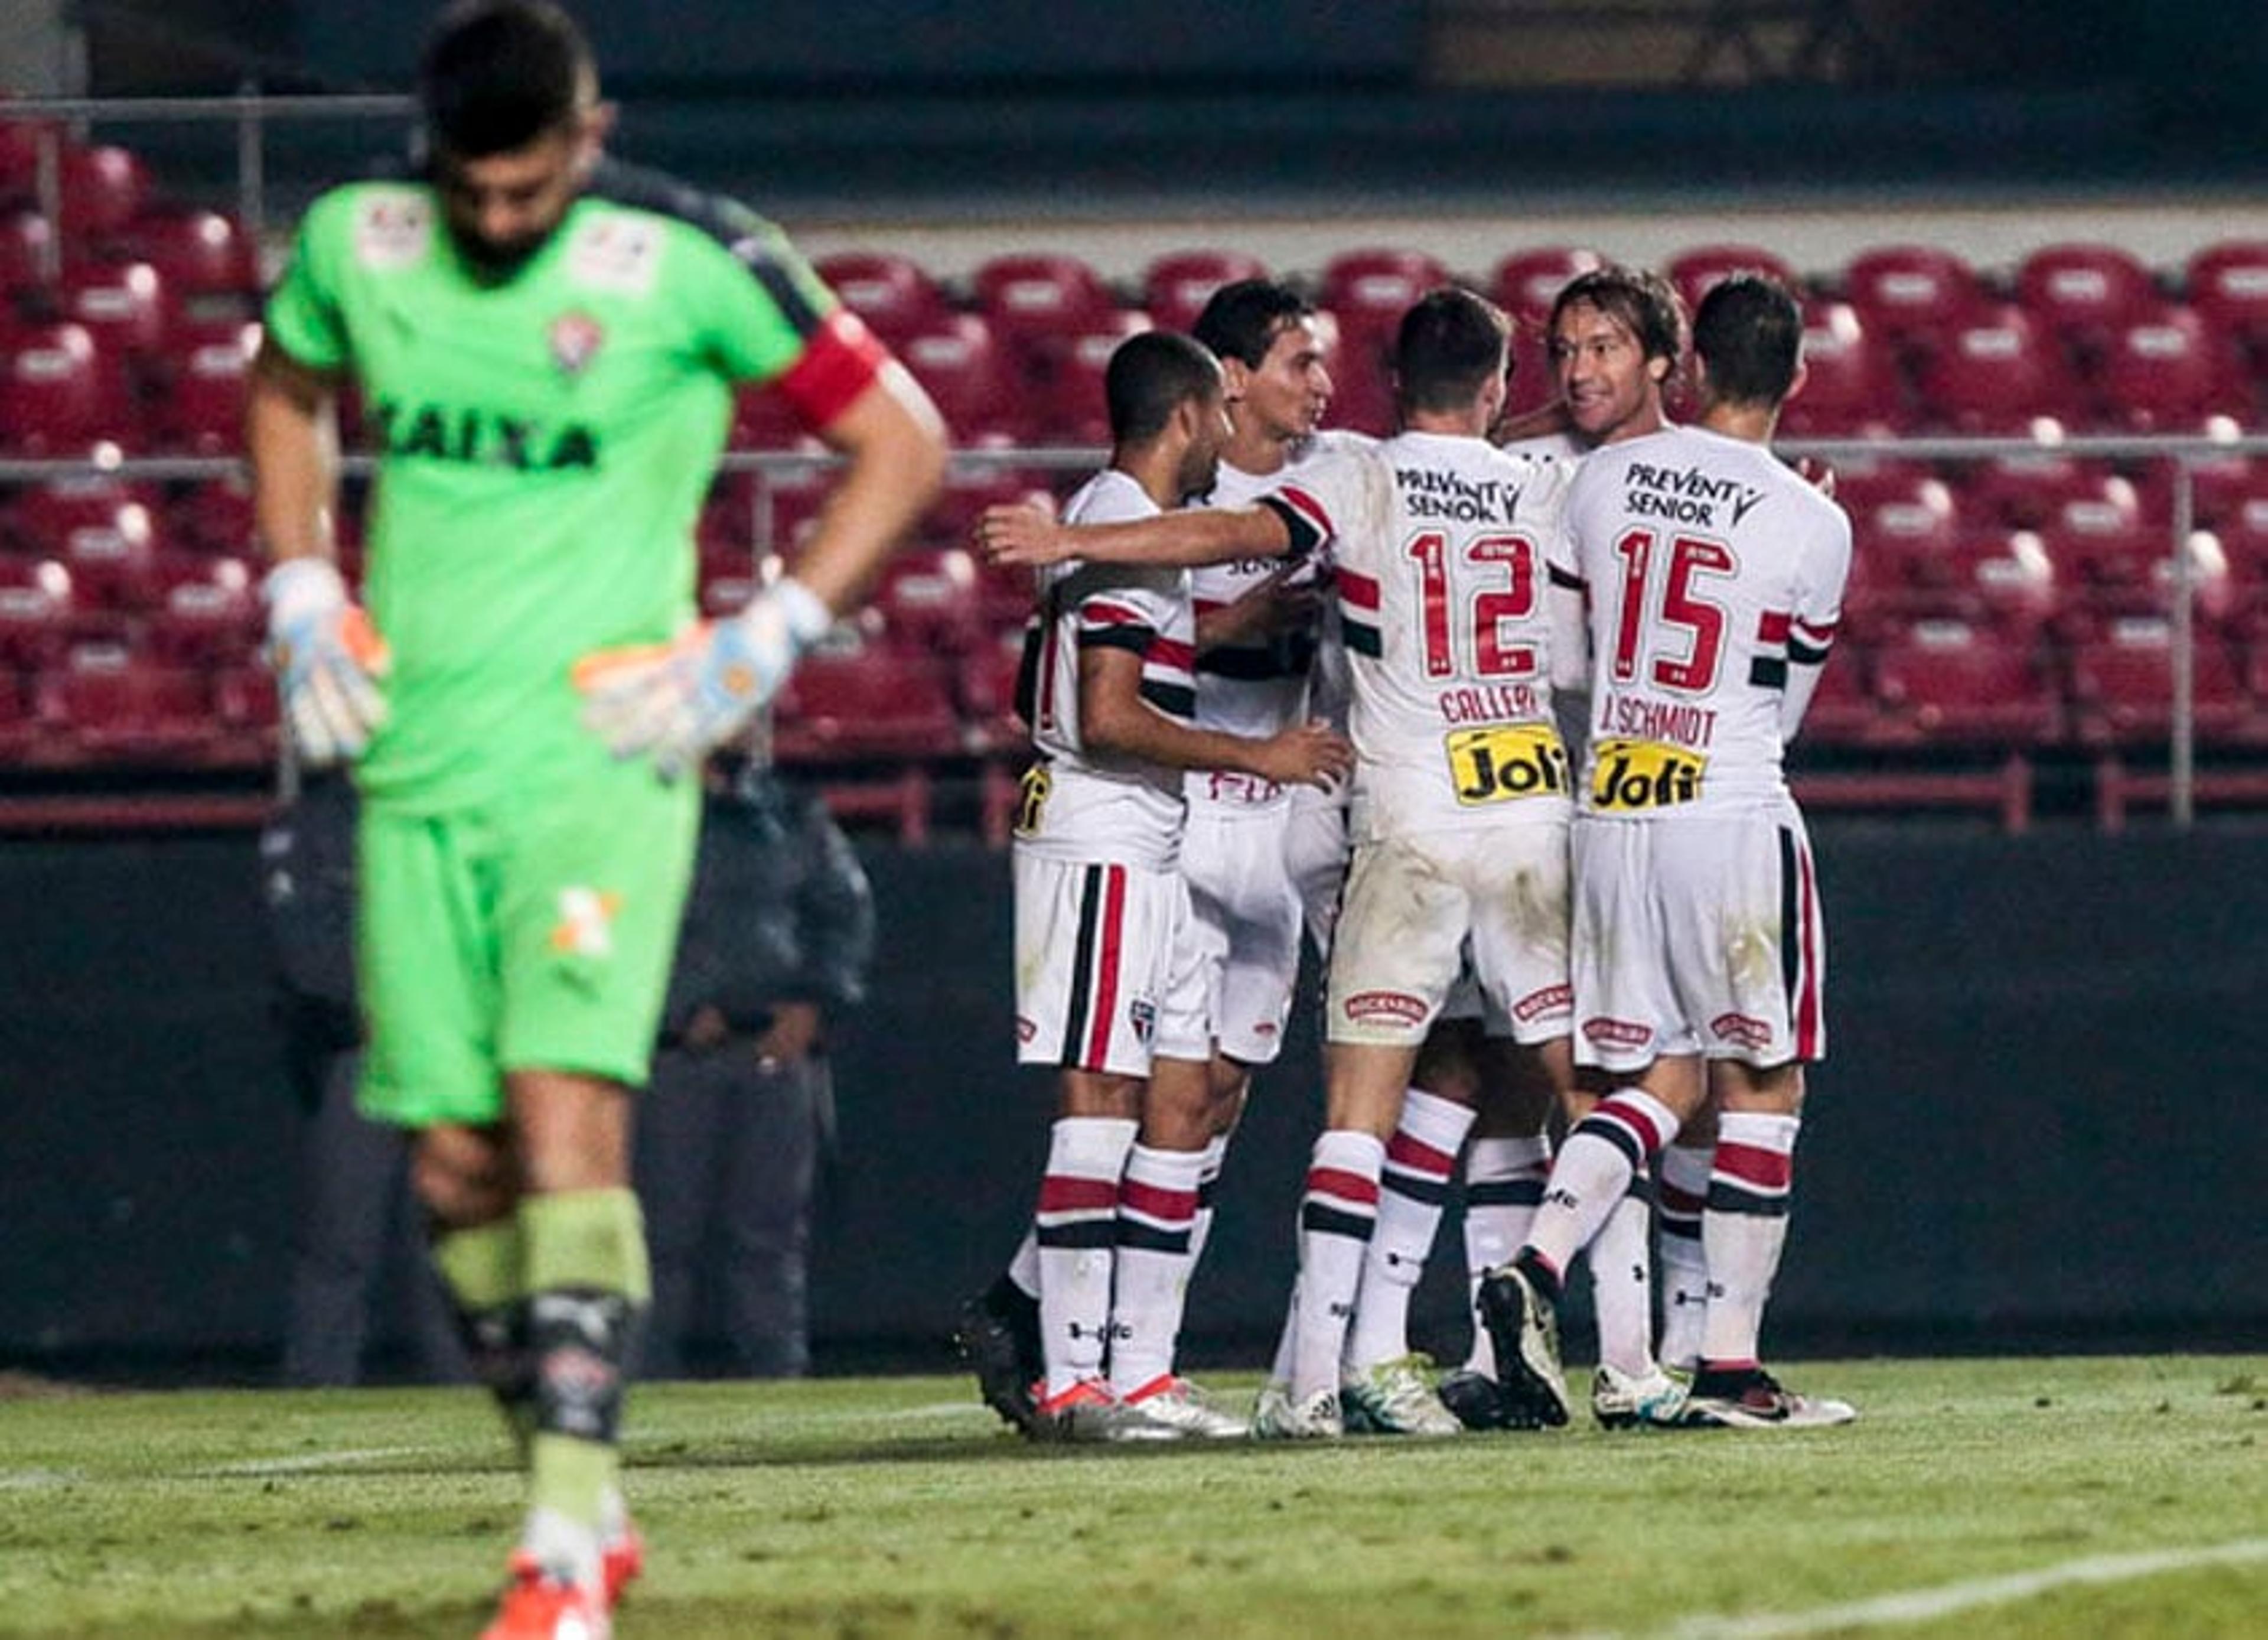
536 933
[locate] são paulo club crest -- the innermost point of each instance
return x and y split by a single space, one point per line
576 339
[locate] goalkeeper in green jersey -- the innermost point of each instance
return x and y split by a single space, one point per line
545 344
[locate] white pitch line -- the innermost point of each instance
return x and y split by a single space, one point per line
38 1480
313 1462
1918 1606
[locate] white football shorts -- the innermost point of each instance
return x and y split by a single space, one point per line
1107 974
1697 935
1414 906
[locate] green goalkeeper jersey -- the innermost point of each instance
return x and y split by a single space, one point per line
544 444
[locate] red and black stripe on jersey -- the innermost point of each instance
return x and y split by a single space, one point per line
1783 641
1166 680
841 358
1359 614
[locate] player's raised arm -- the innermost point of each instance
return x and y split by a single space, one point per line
1028 534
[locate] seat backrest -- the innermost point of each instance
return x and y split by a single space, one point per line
894 294
1908 290
1176 286
1693 272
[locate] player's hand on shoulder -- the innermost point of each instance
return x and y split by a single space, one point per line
676 702
1306 754
1275 606
1026 532
1815 473
329 660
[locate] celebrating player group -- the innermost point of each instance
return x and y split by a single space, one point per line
1554 863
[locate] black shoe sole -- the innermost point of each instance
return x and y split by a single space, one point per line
1527 1400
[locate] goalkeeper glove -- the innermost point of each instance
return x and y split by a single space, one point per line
675 702
329 660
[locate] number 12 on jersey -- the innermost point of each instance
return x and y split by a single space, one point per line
1486 612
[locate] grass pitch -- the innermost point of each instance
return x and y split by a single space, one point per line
2093 1496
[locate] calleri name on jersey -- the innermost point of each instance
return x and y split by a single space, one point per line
1711 570
1443 581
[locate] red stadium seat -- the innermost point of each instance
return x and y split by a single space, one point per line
2167 371
2002 579
1176 286
1527 283
2029 492
2113 574
985 686
27 240
1956 682
1373 287
36 610
786 507
105 533
1850 386
214 516
2227 283
1910 293
1037 303
928 600
113 704
196 252
2222 488
1996 374
244 700
206 611
894 294
103 190
21 142
1843 710
957 360
969 487
1069 406
2085 294
858 698
20 728
61 395
1691 273
1362 376
201 409
122 304
2121 686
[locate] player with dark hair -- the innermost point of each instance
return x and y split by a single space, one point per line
1715 576
547 343
1109 988
1615 338
1461 799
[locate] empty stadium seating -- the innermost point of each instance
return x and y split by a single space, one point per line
2011 607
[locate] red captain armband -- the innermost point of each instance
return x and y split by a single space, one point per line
841 361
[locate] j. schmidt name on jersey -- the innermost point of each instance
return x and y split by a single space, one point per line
1687 496
1427 492
481 438
1656 719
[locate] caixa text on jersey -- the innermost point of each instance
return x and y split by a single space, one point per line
479 437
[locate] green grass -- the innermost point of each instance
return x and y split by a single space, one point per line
876 1507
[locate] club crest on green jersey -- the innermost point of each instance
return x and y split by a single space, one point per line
393 227
576 339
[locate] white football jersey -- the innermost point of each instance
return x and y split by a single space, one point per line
1253 688
1441 546
1079 805
1711 568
